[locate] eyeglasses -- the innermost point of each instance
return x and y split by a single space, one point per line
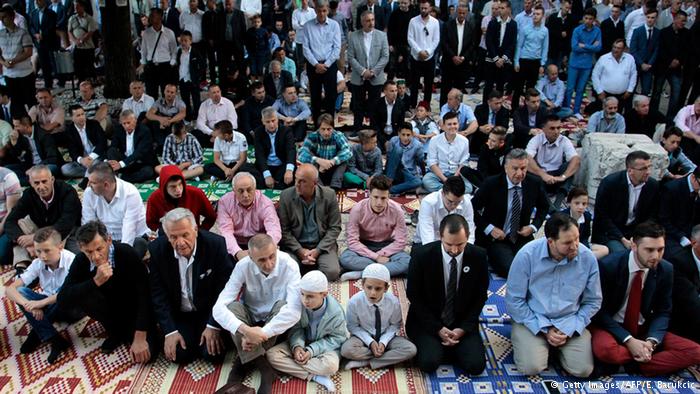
646 168
427 33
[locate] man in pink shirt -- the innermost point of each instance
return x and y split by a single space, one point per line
688 120
245 212
376 233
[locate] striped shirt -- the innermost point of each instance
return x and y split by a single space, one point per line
189 149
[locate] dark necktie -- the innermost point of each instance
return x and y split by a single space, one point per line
8 118
448 313
634 303
651 32
492 118
377 324
515 208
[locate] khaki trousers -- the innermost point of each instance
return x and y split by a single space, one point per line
397 350
281 358
243 314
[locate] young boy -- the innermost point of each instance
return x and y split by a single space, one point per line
257 44
311 353
51 268
679 165
403 96
190 65
424 126
374 319
578 209
230 153
366 161
405 155
491 158
182 150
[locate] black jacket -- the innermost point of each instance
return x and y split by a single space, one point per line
577 8
198 64
635 124
270 90
490 204
481 113
491 161
250 114
672 45
210 31
449 42
237 26
211 270
22 151
379 115
380 17
610 33
685 319
94 134
656 296
612 202
397 30
284 147
559 45
425 289
172 21
125 295
143 146
63 213
679 209
493 36
47 29
521 125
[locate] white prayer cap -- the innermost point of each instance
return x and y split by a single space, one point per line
376 271
314 281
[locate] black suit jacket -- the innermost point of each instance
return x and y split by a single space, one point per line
612 202
672 45
656 296
449 42
379 115
577 8
284 147
481 112
94 134
490 204
172 21
493 36
47 29
143 146
521 125
22 151
426 290
610 33
198 65
679 211
250 114
211 270
555 26
14 111
237 26
381 17
685 319
270 90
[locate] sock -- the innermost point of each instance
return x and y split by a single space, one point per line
356 364
324 381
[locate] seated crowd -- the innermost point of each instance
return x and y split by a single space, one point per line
616 287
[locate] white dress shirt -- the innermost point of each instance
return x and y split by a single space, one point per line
184 69
139 106
446 259
49 280
389 111
612 76
448 155
633 268
299 17
633 20
87 145
36 158
184 266
368 44
260 293
166 50
193 23
361 322
432 211
419 41
634 193
124 216
210 113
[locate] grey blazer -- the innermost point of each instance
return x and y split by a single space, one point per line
291 214
378 56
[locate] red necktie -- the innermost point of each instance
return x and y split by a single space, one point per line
634 303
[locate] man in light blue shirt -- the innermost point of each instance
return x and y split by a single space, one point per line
530 53
321 45
293 112
467 121
607 120
553 293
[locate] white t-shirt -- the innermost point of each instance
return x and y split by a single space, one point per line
231 151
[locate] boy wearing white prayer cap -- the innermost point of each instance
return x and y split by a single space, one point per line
374 319
311 353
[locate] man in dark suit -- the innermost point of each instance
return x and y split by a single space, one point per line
381 16
83 154
457 52
488 115
525 125
42 27
7 108
249 113
685 317
577 9
614 218
185 315
679 211
20 154
277 169
500 53
384 124
560 25
443 319
276 80
131 153
231 31
110 284
503 207
612 29
644 46
196 70
632 324
171 17
673 51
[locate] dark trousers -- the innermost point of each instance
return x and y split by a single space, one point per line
158 134
277 173
189 91
425 69
453 77
201 47
398 68
46 65
191 325
84 63
383 138
501 253
204 139
22 91
323 90
214 170
468 355
299 130
363 96
674 80
134 172
157 75
230 58
212 54
526 77
691 77
498 76
333 177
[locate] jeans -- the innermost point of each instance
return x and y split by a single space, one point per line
616 246
403 180
5 249
44 328
578 77
432 183
645 80
674 80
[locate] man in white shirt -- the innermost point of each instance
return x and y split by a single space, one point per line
436 205
615 74
447 154
423 39
139 102
269 282
86 144
212 110
118 205
299 17
158 55
191 20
